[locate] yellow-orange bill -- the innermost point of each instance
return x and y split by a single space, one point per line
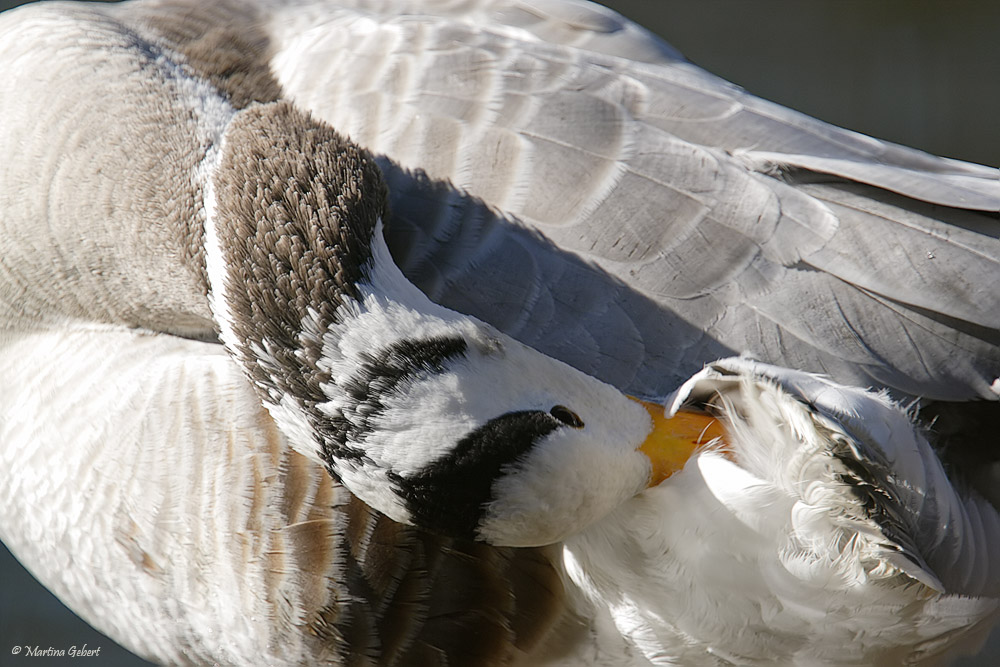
674 439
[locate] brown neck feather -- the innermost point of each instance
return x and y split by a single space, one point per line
296 205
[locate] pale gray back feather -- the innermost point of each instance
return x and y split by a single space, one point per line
712 221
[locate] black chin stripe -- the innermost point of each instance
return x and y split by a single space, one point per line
450 495
379 375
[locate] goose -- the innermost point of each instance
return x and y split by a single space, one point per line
234 431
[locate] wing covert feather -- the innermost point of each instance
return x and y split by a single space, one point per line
706 205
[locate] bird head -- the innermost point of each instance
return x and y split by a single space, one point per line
460 429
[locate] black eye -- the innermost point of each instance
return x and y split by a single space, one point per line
566 416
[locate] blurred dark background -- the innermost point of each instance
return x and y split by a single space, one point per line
925 74
921 73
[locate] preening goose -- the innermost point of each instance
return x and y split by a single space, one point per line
614 217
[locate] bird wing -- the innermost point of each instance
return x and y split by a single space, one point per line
638 218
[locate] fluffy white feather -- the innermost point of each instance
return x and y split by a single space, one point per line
775 558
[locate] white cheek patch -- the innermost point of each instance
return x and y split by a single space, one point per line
373 324
569 480
421 424
425 419
415 420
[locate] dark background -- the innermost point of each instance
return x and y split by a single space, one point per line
925 74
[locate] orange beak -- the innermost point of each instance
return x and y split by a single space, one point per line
673 440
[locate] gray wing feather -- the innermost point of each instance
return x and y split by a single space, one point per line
640 219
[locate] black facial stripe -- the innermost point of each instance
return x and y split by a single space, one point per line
380 373
410 357
450 495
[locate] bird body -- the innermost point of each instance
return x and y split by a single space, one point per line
584 213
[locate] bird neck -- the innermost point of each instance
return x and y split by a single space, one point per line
292 209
